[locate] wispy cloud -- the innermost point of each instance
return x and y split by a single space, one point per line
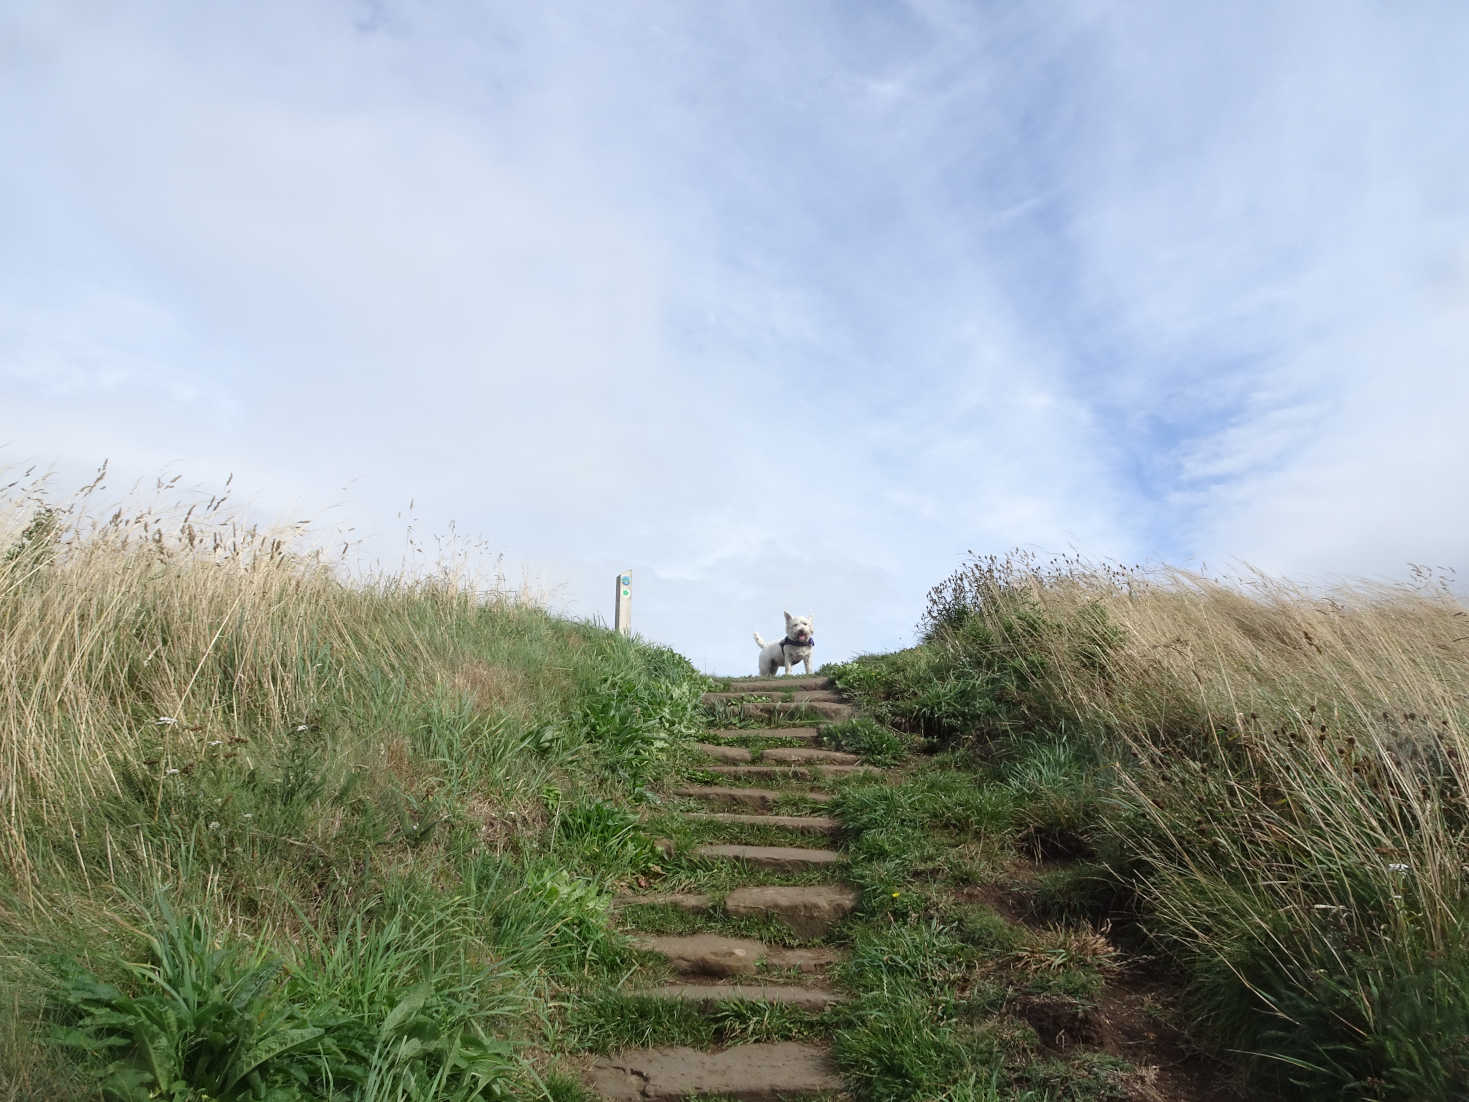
781 306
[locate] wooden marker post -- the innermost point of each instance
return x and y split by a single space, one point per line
622 609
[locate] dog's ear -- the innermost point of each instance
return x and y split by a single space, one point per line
789 617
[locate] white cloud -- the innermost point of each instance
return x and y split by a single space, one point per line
779 307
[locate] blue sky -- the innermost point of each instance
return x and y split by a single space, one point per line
780 305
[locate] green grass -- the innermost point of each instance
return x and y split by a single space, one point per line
941 981
754 742
870 740
663 919
270 835
1263 786
719 877
789 801
267 832
688 833
729 715
610 1020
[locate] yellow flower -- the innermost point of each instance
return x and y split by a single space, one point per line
896 894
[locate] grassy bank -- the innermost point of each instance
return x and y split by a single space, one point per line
1264 786
264 834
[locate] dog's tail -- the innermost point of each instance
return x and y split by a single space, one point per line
760 642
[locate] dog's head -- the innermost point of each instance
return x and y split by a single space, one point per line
800 629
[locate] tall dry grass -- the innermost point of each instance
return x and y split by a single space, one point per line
216 746
1289 797
1342 714
155 636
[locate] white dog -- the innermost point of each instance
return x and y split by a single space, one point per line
795 647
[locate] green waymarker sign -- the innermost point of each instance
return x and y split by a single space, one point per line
622 603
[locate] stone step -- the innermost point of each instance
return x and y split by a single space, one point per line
808 754
692 902
825 709
804 824
724 753
795 734
809 910
712 994
791 858
749 1073
778 684
746 797
819 697
739 755
789 772
713 955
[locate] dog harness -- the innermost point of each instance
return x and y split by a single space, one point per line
789 642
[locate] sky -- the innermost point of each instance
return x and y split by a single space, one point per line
777 305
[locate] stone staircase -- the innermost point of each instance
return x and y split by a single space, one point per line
757 784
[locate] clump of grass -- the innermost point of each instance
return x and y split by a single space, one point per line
1061 948
1078 891
608 1021
862 735
1056 786
906 1034
596 835
208 1016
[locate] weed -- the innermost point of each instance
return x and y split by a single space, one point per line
1063 948
591 835
876 744
609 1021
199 1019
210 1018
1055 790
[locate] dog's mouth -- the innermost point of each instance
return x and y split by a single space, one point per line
802 636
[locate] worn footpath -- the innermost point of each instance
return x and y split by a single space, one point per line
960 969
767 782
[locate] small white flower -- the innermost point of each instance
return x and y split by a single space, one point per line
216 742
214 825
301 728
169 772
165 721
248 815
1397 866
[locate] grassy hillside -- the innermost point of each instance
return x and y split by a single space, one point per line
266 835
1261 786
